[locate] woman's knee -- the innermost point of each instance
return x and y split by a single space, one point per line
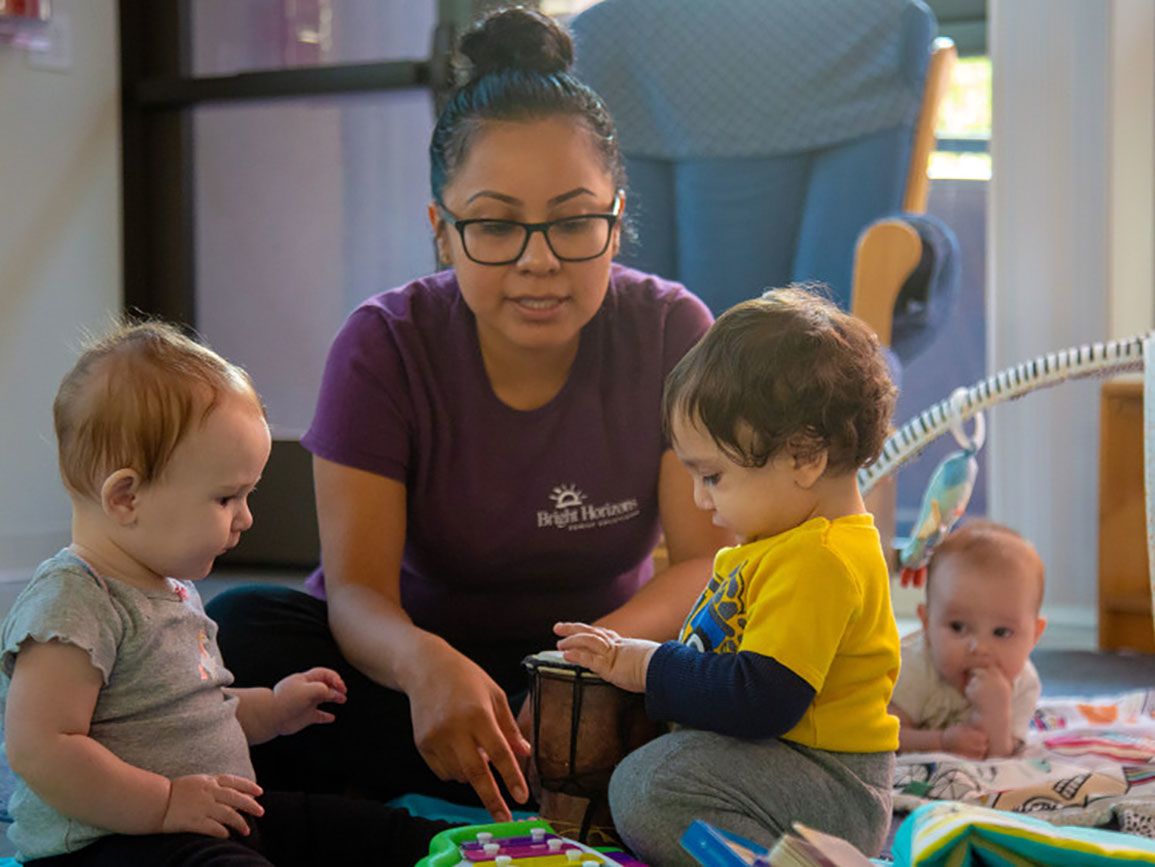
236 609
261 606
265 633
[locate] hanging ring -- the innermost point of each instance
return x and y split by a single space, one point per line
974 441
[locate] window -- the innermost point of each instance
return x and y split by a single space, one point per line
964 125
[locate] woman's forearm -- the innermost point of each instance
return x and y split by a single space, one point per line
377 636
657 611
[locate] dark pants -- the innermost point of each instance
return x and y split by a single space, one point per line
297 829
267 633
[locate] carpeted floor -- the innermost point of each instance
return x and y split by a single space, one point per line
1085 672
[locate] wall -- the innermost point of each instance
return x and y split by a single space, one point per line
1131 216
305 206
59 259
1063 117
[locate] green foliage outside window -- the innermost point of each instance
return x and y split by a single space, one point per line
965 120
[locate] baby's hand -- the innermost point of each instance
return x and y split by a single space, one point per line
298 695
966 741
210 804
990 692
621 661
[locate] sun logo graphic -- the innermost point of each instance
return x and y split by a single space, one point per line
566 497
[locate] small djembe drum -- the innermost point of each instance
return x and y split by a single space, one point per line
582 727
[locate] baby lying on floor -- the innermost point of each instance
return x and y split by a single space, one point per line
967 685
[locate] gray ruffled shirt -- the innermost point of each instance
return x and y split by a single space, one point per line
162 706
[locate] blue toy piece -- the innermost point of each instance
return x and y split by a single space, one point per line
946 497
713 847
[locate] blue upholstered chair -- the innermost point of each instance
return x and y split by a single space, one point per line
767 140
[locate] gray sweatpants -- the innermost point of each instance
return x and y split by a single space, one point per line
752 788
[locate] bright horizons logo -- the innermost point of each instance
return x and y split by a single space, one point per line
572 512
566 497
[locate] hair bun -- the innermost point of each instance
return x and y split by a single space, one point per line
516 38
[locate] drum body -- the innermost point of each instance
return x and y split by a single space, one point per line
582 726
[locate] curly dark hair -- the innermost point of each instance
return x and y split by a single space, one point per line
787 370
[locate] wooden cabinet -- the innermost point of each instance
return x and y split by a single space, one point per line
1124 585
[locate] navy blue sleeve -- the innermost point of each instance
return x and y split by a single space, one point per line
744 694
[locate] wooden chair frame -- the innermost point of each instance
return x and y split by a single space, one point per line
889 250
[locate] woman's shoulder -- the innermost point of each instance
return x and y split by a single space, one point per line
432 295
640 305
630 287
418 313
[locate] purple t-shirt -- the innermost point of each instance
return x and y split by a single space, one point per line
516 518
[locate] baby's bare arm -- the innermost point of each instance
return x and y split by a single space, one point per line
912 739
289 706
49 711
962 740
989 692
46 722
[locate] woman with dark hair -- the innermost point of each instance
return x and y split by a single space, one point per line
488 450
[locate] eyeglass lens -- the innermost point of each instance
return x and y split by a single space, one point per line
500 241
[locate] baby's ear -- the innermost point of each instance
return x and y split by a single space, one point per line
808 466
921 609
118 496
1040 626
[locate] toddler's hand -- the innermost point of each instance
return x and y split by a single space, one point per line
298 695
990 692
967 741
621 661
210 804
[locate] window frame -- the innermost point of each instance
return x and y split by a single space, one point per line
158 168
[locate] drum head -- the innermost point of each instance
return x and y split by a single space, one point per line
551 663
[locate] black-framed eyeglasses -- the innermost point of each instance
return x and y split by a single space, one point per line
503 242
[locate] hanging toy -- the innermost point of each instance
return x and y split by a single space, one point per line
946 497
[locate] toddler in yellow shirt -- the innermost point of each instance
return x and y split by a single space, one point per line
780 679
